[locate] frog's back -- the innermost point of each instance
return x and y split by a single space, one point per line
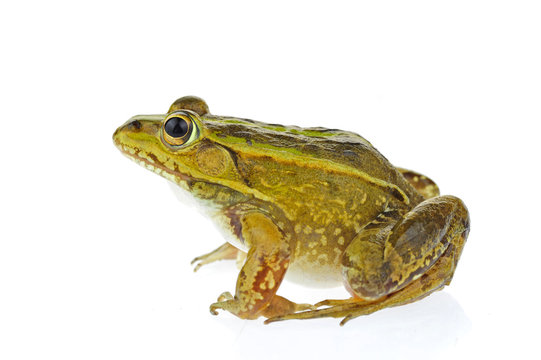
339 146
343 148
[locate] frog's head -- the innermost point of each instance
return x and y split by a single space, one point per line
177 145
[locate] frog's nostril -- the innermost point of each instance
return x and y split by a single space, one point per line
134 125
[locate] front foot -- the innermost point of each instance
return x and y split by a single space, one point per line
224 252
224 297
227 302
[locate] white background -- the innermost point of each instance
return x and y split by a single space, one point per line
95 251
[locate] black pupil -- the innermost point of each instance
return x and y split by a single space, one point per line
176 127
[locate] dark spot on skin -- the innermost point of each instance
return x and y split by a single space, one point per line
397 194
349 153
233 156
249 142
372 225
408 174
234 221
135 125
235 159
155 158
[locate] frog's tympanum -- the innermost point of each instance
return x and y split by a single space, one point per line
320 205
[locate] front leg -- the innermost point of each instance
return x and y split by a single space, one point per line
262 273
224 252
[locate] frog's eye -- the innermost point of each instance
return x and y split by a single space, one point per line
178 129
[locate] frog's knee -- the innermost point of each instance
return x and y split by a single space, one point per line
446 209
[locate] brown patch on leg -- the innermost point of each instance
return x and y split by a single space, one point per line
424 185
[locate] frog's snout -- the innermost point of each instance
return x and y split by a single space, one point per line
138 130
130 126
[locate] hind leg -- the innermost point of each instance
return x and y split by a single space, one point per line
391 264
434 279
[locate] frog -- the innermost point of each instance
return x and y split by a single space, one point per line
320 205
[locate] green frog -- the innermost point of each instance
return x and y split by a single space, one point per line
320 205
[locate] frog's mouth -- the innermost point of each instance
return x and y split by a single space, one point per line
149 161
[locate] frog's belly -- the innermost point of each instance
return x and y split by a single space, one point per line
313 274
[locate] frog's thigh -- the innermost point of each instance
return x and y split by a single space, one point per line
424 185
262 273
385 258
